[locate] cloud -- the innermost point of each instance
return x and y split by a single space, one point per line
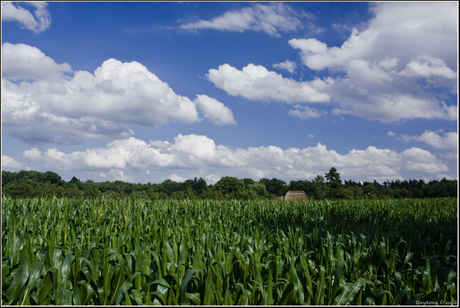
391 134
196 147
286 65
116 175
212 178
363 71
451 155
255 82
399 30
312 47
20 61
381 69
371 80
38 23
448 141
390 107
305 112
9 164
200 154
266 18
431 66
214 111
176 178
41 103
422 161
341 28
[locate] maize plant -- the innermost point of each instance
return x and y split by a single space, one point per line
138 251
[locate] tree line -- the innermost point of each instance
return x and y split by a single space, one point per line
24 184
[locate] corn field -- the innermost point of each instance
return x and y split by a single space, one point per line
136 251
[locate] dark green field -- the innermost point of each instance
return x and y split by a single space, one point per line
136 251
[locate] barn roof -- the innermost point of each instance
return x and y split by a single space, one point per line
296 195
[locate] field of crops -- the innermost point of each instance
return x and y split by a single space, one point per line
128 251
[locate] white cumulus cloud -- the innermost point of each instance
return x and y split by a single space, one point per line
381 66
9 164
422 161
176 178
116 175
214 111
286 65
21 61
37 22
41 103
448 140
200 153
212 178
427 67
255 82
403 30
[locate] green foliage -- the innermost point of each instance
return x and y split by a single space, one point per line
343 193
25 184
229 186
333 178
275 187
189 194
259 189
334 186
320 188
135 251
307 186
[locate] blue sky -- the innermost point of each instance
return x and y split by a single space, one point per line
147 91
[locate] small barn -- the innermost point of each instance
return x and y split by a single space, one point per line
294 195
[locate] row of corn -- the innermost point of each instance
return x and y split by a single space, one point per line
135 251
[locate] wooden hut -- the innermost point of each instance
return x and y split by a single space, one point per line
294 195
